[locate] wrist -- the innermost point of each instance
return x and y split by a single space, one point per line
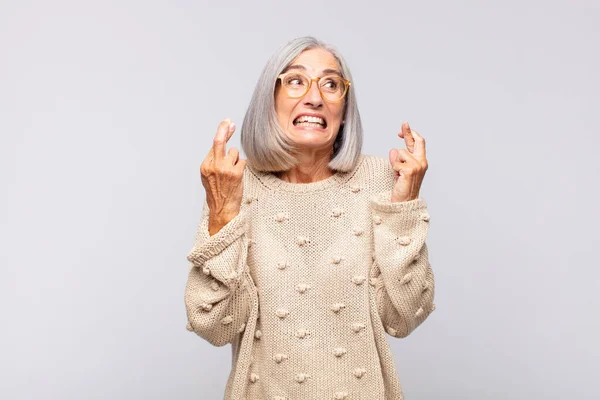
216 222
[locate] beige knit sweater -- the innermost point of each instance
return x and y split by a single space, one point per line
305 281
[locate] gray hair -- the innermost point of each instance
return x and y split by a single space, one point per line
266 146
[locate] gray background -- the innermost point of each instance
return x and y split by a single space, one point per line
108 108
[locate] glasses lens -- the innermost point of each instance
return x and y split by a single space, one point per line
295 84
332 87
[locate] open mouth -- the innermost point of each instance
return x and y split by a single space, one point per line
310 121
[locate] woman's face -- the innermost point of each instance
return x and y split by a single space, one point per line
314 63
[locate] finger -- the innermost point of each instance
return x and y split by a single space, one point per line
394 158
234 155
220 140
406 157
419 152
408 137
241 164
229 135
400 158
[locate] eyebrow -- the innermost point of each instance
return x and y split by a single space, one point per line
302 67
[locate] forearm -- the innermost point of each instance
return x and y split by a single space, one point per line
216 295
405 283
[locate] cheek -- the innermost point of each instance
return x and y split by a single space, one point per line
339 113
282 105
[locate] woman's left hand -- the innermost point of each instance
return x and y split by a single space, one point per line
410 165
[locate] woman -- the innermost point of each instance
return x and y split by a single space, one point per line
306 256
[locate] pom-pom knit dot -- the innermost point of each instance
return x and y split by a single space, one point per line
355 188
302 240
419 312
214 285
301 333
282 313
232 275
359 372
189 327
406 278
242 327
377 219
281 217
206 306
425 217
357 231
391 331
253 377
336 307
340 395
257 334
339 351
206 270
336 259
282 265
302 287
302 377
358 326
403 240
336 212
358 279
372 281
279 357
227 320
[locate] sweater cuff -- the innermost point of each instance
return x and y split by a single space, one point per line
382 202
211 246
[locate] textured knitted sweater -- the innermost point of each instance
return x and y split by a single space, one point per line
307 279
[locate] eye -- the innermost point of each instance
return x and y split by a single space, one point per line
295 80
331 83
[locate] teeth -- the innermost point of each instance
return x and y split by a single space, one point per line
307 118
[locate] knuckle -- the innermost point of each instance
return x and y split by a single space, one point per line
204 169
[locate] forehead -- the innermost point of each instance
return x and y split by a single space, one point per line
316 60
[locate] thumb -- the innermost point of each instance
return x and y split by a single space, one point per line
393 157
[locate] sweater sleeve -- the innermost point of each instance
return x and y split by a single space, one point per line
401 272
216 295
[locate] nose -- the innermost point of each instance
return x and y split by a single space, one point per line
313 97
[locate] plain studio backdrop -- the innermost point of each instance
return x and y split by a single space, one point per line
108 108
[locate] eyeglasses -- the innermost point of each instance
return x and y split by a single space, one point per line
333 87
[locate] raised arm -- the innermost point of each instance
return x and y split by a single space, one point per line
216 296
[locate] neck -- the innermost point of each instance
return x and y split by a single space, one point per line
310 169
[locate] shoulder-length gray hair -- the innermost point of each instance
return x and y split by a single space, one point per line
266 146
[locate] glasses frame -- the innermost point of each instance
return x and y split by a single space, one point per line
347 84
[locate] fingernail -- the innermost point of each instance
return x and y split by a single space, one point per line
231 126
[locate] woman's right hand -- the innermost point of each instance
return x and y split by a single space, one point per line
222 178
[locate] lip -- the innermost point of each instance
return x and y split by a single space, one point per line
310 114
310 128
